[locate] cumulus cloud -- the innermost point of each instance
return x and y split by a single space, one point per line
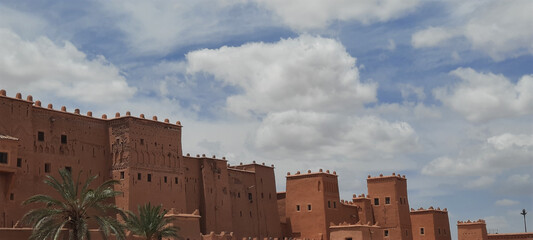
506 202
485 96
325 134
497 154
499 28
304 73
42 66
303 15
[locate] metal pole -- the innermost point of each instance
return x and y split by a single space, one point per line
524 212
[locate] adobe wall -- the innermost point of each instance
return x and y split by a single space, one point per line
430 224
472 230
355 232
393 216
511 236
364 211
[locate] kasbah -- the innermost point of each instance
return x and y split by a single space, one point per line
208 198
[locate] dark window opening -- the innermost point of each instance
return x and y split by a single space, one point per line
3 157
241 213
250 213
348 238
401 201
12 196
334 204
270 196
149 178
376 201
19 162
297 208
47 167
439 231
63 139
142 141
308 207
165 179
239 195
250 197
387 200
262 196
122 175
69 169
139 176
176 180
421 231
40 136
386 233
329 204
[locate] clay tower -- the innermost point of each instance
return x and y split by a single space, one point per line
388 196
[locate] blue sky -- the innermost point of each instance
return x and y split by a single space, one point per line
441 91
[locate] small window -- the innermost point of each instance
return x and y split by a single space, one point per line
122 175
406 232
387 200
270 196
241 213
149 177
239 195
63 139
69 169
250 197
376 201
421 231
176 180
40 136
47 167
401 201
262 196
439 231
250 213
139 176
142 141
334 204
19 162
297 208
386 233
308 207
165 179
12 196
329 204
3 157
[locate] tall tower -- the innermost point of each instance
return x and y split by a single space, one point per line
311 199
430 224
388 196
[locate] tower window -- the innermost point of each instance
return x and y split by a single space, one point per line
387 200
63 139
308 207
250 197
19 162
376 201
12 196
334 204
401 202
329 204
297 208
47 167
386 233
3 157
139 176
40 136
122 175
69 169
176 180
142 141
165 179
421 231
149 177
439 231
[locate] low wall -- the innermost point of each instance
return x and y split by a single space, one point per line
511 236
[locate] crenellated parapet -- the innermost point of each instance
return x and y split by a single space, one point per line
468 222
77 112
381 177
309 173
430 209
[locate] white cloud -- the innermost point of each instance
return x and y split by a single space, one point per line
161 26
392 45
485 96
480 182
324 134
304 73
497 154
303 15
506 202
499 28
431 37
43 67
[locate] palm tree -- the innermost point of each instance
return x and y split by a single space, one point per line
74 210
151 223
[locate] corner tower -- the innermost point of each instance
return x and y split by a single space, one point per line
388 195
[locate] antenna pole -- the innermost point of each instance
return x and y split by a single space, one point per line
524 212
